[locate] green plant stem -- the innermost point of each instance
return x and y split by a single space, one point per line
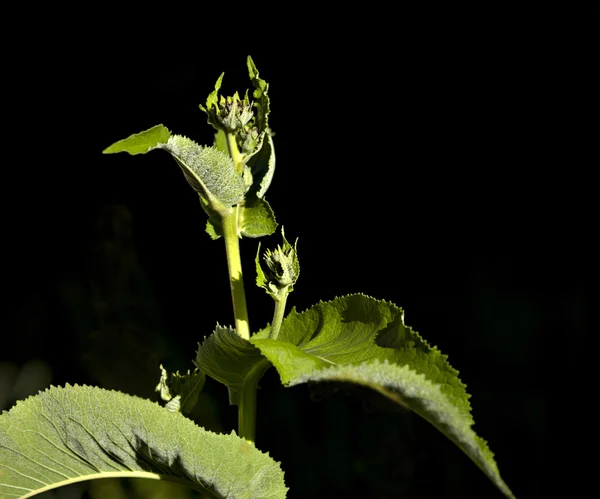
236 277
247 405
234 152
279 312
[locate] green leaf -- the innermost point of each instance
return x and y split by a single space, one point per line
262 166
214 226
180 391
361 340
231 360
221 141
209 171
256 218
213 98
75 433
141 143
262 102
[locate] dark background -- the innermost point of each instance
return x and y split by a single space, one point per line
420 159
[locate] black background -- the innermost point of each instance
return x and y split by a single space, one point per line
420 158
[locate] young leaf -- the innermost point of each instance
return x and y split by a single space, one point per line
230 359
221 141
361 340
262 165
75 433
180 391
256 217
141 143
213 98
209 171
261 94
214 226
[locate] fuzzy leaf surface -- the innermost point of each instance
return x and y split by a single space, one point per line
358 339
74 433
208 171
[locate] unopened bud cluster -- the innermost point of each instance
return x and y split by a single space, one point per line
282 270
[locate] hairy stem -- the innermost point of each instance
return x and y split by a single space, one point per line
279 312
236 277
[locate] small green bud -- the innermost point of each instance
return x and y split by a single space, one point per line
283 269
246 120
234 113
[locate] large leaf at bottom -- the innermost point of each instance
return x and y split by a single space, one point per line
361 340
75 433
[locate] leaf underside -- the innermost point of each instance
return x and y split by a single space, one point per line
74 433
208 170
361 340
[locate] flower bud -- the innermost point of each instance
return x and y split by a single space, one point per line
234 113
282 270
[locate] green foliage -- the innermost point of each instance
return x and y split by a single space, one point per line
208 171
261 91
262 166
180 391
222 176
230 359
256 218
235 116
358 339
141 143
75 433
282 269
